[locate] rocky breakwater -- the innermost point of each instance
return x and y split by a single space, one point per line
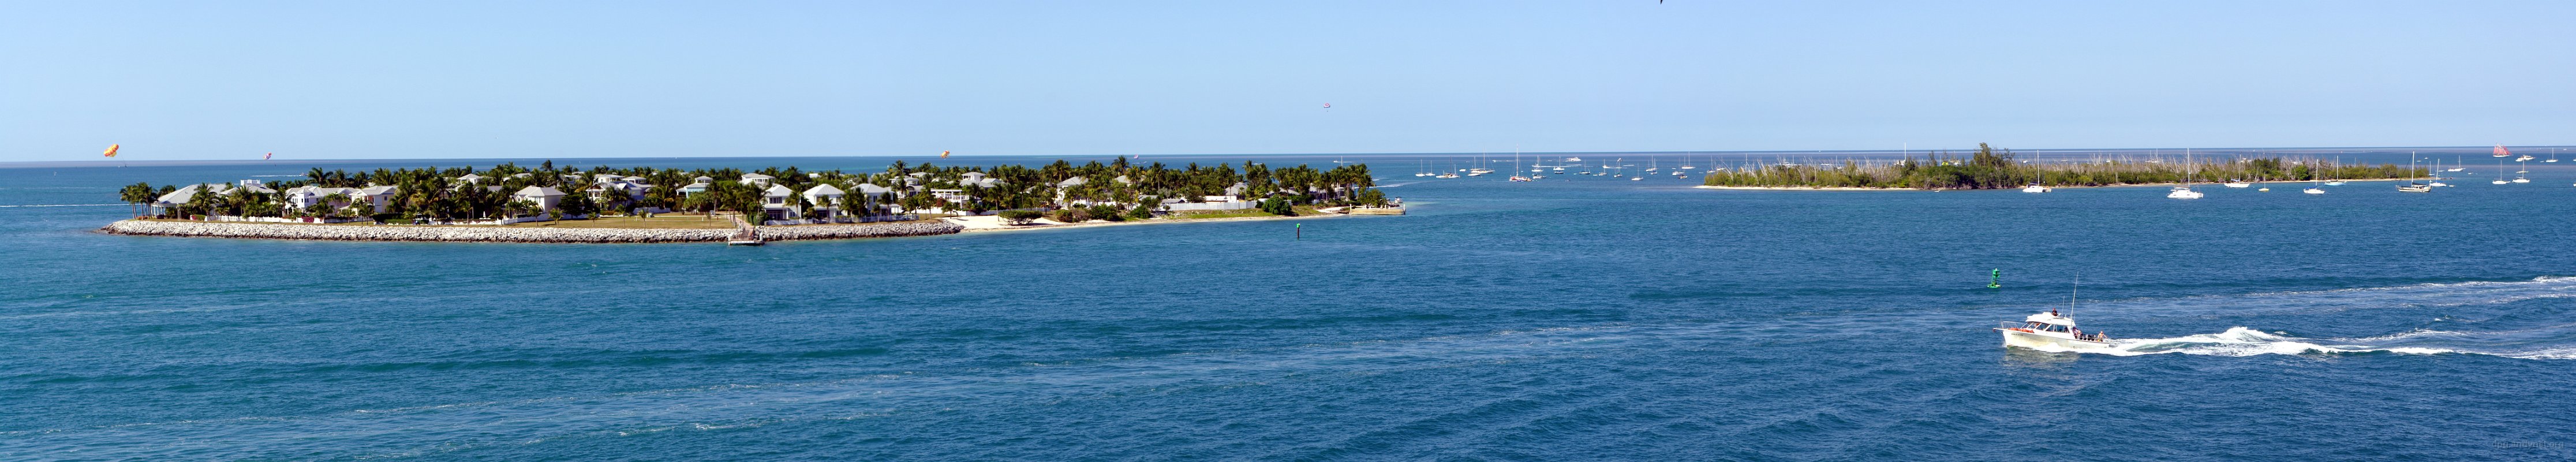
507 234
908 228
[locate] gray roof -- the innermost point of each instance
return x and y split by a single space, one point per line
185 193
1071 182
538 191
379 190
865 188
778 190
823 190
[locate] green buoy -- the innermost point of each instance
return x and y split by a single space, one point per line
1998 281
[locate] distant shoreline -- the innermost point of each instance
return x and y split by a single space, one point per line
1789 188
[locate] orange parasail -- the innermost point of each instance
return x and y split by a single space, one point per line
943 154
111 150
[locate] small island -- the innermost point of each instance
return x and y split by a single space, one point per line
1993 168
603 204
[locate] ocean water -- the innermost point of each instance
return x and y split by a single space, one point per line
1575 318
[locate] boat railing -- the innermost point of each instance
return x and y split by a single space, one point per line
2008 325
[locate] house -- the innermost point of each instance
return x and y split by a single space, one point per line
546 198
257 187
825 198
775 203
606 188
377 197
756 180
168 203
470 178
698 185
307 197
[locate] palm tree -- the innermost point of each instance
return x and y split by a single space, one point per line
137 194
331 204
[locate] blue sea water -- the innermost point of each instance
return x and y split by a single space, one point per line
1575 318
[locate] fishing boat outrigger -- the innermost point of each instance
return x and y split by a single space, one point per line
2050 330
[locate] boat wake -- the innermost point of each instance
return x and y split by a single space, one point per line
2243 341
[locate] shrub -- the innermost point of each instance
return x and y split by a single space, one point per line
1072 215
1106 212
1278 206
1021 217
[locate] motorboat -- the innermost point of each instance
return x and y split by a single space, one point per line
2034 188
2238 184
2050 331
2183 192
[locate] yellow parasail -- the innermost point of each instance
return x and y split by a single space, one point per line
943 154
111 150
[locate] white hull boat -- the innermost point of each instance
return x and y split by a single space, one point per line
2052 332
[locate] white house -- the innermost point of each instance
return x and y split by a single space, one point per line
164 204
827 199
470 178
755 179
698 185
377 197
306 197
546 198
774 202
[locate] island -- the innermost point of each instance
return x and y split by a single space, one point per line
603 204
1993 168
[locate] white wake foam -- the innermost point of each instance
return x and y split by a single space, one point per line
2242 341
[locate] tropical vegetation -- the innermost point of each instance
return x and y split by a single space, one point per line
1116 190
1993 168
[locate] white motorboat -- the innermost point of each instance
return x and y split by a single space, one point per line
2034 188
2238 184
2050 331
2183 192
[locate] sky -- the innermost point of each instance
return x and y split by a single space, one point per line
463 79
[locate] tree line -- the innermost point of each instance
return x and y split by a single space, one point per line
1993 168
440 193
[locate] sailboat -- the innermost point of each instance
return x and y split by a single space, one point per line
2184 191
2437 175
2553 155
2462 164
2500 151
2316 182
2339 162
2526 168
2035 185
2414 186
2500 171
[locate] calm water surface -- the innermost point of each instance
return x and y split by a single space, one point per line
1576 318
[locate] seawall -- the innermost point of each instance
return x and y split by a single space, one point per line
507 234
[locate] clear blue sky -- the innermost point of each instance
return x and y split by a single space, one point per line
349 80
